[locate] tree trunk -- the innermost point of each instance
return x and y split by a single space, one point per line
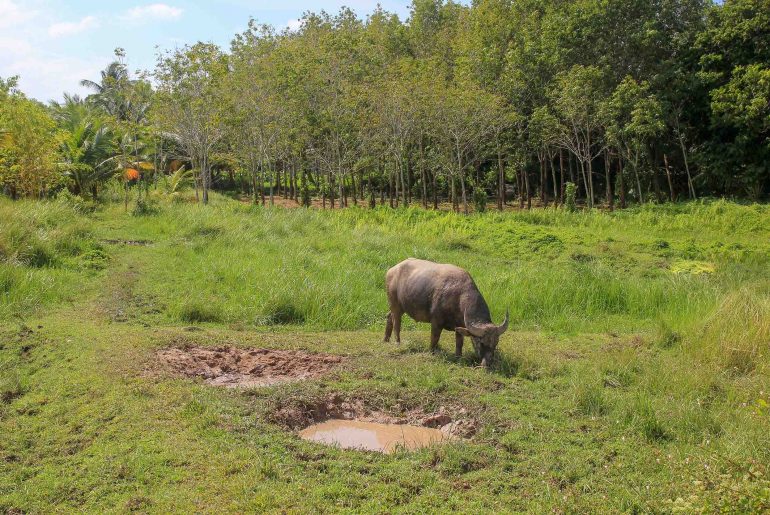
262 184
561 176
435 189
582 165
462 189
607 178
590 183
272 181
690 185
529 190
409 180
254 185
655 179
455 206
423 175
543 181
553 178
500 179
668 176
621 185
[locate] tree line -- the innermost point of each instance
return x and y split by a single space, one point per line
621 100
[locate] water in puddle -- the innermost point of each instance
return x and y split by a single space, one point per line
370 436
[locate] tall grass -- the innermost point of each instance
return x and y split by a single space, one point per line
45 248
736 336
555 270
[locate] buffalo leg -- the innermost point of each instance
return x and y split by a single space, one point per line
388 327
435 334
397 325
458 345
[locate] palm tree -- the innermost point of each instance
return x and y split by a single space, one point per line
87 147
109 92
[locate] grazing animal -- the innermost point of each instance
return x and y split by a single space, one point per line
447 298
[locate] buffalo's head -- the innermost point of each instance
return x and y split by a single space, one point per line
485 338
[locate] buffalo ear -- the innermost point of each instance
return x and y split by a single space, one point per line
463 331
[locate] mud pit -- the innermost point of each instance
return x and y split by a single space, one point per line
371 436
353 423
234 367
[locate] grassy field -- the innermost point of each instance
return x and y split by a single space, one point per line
634 377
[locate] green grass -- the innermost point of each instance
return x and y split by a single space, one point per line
634 377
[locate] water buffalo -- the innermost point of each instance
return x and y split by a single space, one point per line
445 296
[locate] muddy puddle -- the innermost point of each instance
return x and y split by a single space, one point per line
372 436
235 367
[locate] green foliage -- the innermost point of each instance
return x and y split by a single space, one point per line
570 194
479 199
305 194
145 206
27 145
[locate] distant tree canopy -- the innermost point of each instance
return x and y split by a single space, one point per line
629 100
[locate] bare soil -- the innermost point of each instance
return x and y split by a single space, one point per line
235 367
298 414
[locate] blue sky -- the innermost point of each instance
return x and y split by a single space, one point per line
52 44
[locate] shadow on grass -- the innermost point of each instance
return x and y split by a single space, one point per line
504 365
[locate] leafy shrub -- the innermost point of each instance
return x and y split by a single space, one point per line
305 194
570 194
145 207
479 199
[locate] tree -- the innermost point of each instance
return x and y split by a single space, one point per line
28 144
577 97
466 115
87 148
255 110
632 117
733 70
188 104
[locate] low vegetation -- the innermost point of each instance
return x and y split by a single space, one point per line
634 377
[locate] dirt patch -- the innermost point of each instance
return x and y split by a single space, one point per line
236 367
132 243
297 414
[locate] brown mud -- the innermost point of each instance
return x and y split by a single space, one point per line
298 414
235 367
373 436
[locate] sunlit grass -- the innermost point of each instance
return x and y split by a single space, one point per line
628 382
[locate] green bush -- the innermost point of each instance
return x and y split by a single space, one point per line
479 199
570 193
145 206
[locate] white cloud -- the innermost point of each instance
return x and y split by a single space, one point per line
294 25
153 12
69 28
11 15
25 50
